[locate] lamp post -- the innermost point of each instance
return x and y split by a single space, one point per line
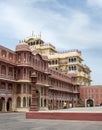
34 105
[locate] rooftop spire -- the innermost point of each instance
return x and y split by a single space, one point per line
32 33
40 35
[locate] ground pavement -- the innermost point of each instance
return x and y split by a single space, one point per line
85 113
17 121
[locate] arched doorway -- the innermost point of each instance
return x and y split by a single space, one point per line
0 105
8 105
90 103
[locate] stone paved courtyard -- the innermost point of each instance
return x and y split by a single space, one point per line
17 121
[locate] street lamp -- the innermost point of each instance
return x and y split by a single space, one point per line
34 105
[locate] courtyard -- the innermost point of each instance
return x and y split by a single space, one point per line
17 121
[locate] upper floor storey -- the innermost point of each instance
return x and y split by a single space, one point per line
24 62
7 55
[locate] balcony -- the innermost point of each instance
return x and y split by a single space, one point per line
7 77
7 60
61 89
23 78
4 92
43 82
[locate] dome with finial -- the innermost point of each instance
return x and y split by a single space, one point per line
22 46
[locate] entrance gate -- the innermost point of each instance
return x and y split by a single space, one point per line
90 103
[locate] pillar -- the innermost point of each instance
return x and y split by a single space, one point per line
34 105
4 106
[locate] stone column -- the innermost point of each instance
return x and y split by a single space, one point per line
10 107
4 106
21 101
34 105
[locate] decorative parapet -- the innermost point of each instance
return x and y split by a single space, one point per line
58 75
48 45
22 47
68 51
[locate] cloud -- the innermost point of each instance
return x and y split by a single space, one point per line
95 3
59 24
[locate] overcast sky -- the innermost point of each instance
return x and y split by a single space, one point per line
67 24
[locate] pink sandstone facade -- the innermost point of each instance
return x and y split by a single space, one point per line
91 95
53 88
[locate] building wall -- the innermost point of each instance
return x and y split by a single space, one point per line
68 62
91 92
53 89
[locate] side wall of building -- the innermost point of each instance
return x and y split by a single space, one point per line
92 94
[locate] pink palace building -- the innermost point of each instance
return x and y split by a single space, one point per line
56 88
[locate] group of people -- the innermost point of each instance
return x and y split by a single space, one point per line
65 105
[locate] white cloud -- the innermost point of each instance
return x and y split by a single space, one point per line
95 3
66 28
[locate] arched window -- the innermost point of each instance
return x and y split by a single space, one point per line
3 85
10 56
19 57
44 102
74 59
36 61
24 101
24 71
56 62
24 88
29 101
10 72
74 67
24 57
49 62
3 53
30 73
52 62
10 86
18 88
18 102
69 60
3 69
29 89
69 68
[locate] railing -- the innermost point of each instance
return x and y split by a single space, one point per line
43 82
61 89
23 78
74 50
4 92
6 59
59 76
48 44
36 67
6 77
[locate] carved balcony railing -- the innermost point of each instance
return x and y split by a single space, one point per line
7 77
7 93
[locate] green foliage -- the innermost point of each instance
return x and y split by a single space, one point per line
79 101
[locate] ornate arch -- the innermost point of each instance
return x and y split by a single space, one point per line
18 102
